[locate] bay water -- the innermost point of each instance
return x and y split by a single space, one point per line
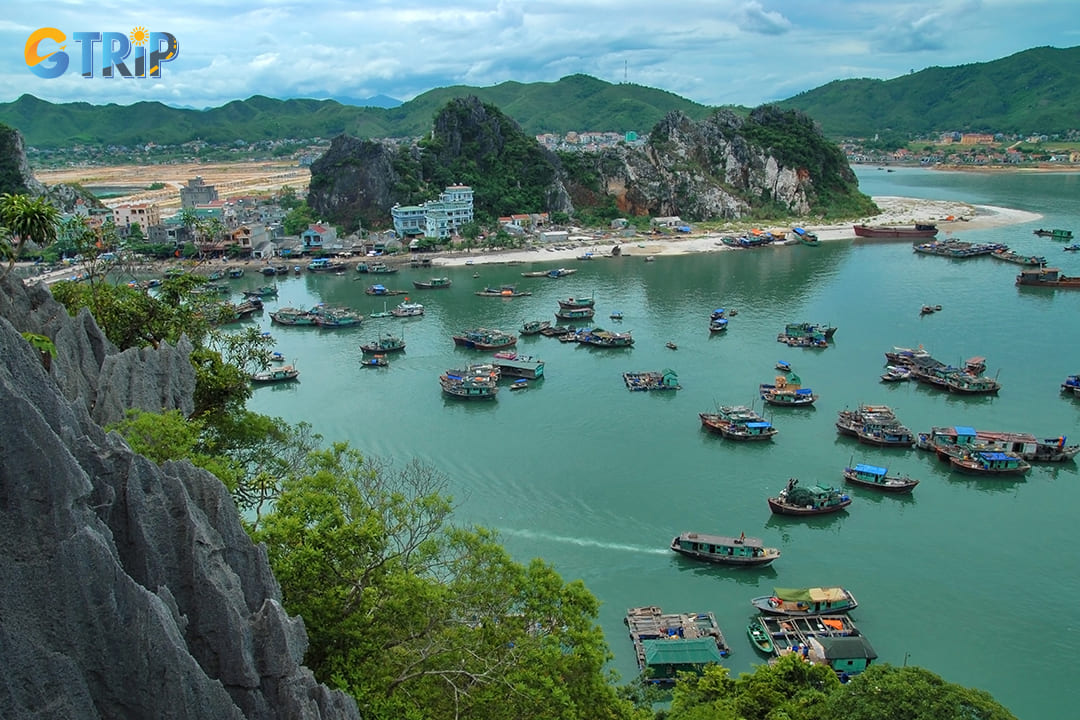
971 578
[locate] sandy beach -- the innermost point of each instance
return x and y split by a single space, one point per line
949 216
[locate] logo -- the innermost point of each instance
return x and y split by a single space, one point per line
108 51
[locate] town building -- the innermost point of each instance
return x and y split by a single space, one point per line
435 218
197 192
145 214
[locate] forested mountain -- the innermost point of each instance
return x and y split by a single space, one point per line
1034 91
577 102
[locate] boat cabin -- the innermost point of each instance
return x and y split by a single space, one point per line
758 428
997 460
847 655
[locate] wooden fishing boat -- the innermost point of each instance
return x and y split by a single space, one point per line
520 384
645 381
787 392
803 602
671 346
385 343
878 478
478 381
919 230
381 268
616 315
1014 257
435 283
1055 234
759 638
534 327
989 463
896 373
506 291
235 273
740 551
578 302
783 366
535 273
738 422
285 373
579 313
375 361
560 272
292 316
806 237
818 500
1047 277
557 331
598 337
408 309
955 440
382 290
484 339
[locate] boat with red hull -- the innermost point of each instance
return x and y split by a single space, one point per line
918 230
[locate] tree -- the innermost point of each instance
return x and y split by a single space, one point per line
885 692
24 219
287 198
417 618
135 233
298 219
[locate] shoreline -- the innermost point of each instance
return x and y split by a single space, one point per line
949 216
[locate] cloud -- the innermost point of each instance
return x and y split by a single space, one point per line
767 22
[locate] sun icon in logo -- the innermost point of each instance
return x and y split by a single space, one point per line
138 35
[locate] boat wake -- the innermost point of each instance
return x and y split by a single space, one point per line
583 542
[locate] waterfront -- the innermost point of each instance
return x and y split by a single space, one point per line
597 480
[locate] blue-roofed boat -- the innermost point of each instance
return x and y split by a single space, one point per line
878 478
806 237
1071 384
738 422
718 324
989 463
783 366
787 392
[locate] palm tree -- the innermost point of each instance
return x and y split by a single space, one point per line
24 219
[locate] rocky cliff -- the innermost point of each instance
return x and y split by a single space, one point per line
726 166
15 174
127 589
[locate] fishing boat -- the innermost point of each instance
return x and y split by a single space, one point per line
276 356
874 425
375 361
382 290
506 291
381 268
1047 277
953 379
484 339
381 314
292 316
741 551
806 237
578 302
616 315
1015 257
817 500
671 346
929 309
989 463
236 272
285 373
738 422
520 384
512 364
759 638
578 313
333 317
534 327
557 331
906 356
408 309
325 265
787 392
1055 234
667 644
534 273
878 478
561 272
433 284
783 366
468 386
645 381
717 323
1071 384
598 337
896 373
919 230
947 441
387 342
803 602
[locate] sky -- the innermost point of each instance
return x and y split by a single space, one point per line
714 52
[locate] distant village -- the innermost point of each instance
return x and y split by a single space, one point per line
972 149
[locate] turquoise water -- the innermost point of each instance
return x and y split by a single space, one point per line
964 577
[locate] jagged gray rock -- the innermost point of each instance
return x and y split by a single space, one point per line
127 590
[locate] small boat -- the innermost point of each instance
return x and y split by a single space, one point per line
989 463
381 290
741 551
806 237
269 271
375 361
383 344
476 274
1072 247
534 327
236 273
645 381
738 422
787 392
561 272
649 258
579 313
929 309
718 324
433 284
759 638
919 230
896 373
1055 234
818 500
578 302
408 309
616 315
384 313
519 384
1047 277
878 478
506 291
534 273
671 346
783 366
484 339
276 356
800 602
285 373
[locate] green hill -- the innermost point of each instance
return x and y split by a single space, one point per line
1034 91
577 102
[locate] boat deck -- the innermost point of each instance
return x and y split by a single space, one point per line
651 623
787 632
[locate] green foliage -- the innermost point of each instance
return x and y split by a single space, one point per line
25 220
287 198
417 618
885 692
298 219
1032 91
